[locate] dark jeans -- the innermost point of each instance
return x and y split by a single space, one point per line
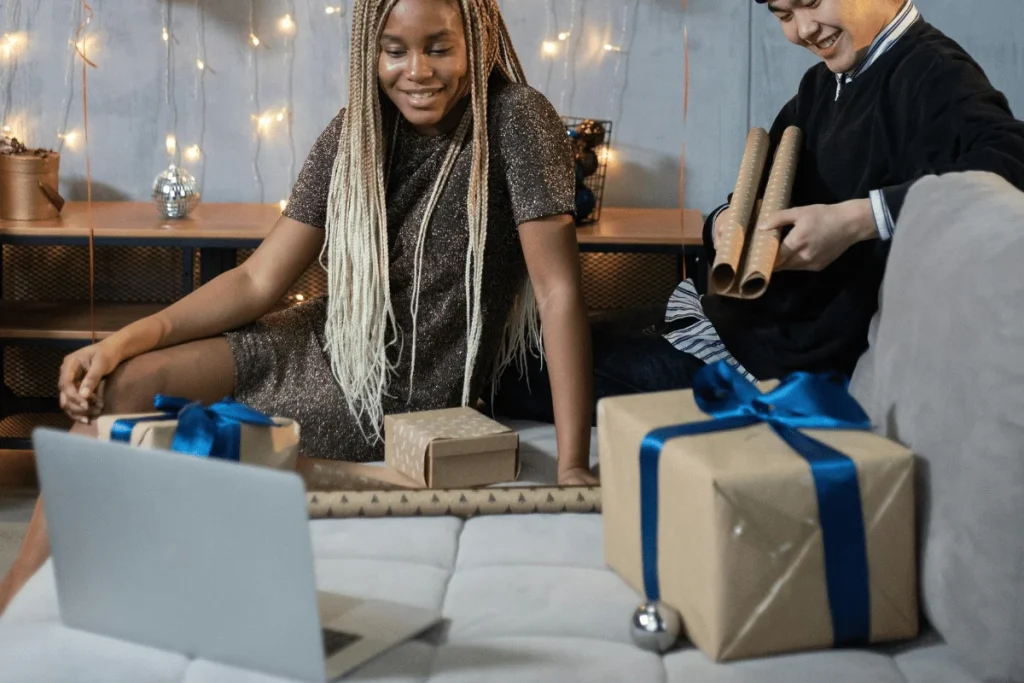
627 360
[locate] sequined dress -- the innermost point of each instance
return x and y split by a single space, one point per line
281 366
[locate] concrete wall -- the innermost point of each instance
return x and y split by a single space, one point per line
741 72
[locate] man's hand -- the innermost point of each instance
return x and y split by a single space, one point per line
821 233
721 221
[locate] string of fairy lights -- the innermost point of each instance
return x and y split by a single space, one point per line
187 147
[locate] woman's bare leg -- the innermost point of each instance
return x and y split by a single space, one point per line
199 371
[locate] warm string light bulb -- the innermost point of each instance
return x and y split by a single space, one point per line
9 45
70 139
16 127
283 204
286 24
192 153
564 35
332 10
200 64
171 143
549 47
254 40
166 36
264 122
608 47
606 155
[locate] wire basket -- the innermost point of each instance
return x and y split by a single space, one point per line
591 141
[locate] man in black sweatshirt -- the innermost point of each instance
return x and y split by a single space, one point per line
892 100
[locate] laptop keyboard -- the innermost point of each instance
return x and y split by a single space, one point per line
336 641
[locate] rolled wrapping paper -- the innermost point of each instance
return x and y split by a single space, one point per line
732 240
764 246
453 502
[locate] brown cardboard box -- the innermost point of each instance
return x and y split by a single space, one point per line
740 551
451 448
274 447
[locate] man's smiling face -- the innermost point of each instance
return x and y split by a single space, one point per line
838 31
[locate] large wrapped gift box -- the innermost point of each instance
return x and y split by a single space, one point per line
224 430
755 548
451 448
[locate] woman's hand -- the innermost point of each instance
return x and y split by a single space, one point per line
577 476
80 380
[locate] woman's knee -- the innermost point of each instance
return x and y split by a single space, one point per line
199 371
133 385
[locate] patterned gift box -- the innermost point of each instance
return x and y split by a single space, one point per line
451 448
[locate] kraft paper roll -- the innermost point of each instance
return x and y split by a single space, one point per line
745 258
764 246
731 242
453 502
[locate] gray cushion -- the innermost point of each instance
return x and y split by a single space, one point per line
945 376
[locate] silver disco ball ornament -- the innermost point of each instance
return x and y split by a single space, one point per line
656 627
175 192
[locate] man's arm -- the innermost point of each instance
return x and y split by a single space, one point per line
962 123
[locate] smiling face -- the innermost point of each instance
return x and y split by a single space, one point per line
838 31
423 65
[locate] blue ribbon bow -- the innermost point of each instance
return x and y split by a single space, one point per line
801 401
213 431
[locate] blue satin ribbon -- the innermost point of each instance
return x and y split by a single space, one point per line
213 431
801 401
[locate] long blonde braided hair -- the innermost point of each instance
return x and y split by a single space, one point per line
360 317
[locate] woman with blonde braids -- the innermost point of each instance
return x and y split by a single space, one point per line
439 203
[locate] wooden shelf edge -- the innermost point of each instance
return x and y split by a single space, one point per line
67 321
18 471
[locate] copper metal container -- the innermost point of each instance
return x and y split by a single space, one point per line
28 187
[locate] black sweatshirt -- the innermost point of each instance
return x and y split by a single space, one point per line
923 108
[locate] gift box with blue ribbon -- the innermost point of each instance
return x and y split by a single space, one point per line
225 430
769 517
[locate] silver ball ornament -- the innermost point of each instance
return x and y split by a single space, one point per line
175 192
656 626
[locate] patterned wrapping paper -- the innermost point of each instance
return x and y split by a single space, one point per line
764 246
732 242
463 503
745 258
432 447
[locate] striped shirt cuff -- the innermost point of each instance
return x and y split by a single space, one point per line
883 219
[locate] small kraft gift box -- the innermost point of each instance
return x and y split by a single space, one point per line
451 448
225 430
769 522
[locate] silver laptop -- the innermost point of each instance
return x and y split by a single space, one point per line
206 558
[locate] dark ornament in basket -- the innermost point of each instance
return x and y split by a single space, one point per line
590 140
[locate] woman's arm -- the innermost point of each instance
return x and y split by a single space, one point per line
236 298
552 258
